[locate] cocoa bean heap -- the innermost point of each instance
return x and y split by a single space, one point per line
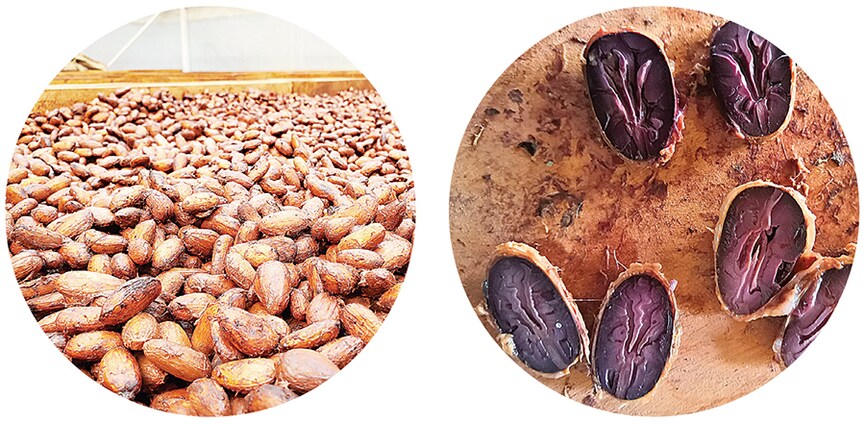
213 253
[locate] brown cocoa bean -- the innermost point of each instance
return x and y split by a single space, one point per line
249 333
312 336
273 284
83 286
91 346
190 306
239 270
167 254
336 278
246 374
386 300
208 397
139 329
284 223
303 370
36 237
267 396
367 237
376 281
323 306
178 360
342 350
173 332
152 377
359 321
360 258
213 284
130 299
118 371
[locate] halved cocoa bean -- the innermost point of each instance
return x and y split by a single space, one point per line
754 80
826 280
636 334
538 322
762 233
631 86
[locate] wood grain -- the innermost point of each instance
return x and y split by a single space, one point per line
589 211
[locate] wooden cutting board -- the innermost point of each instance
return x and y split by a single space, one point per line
532 168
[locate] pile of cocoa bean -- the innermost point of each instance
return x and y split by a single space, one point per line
212 253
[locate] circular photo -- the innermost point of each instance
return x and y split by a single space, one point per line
209 211
654 211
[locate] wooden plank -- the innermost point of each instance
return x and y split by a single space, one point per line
82 86
156 76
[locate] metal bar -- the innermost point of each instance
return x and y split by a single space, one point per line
184 40
131 41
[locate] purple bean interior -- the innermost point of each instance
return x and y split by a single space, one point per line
752 78
634 338
632 93
812 312
525 303
763 236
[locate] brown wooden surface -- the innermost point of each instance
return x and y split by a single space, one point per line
82 86
589 211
